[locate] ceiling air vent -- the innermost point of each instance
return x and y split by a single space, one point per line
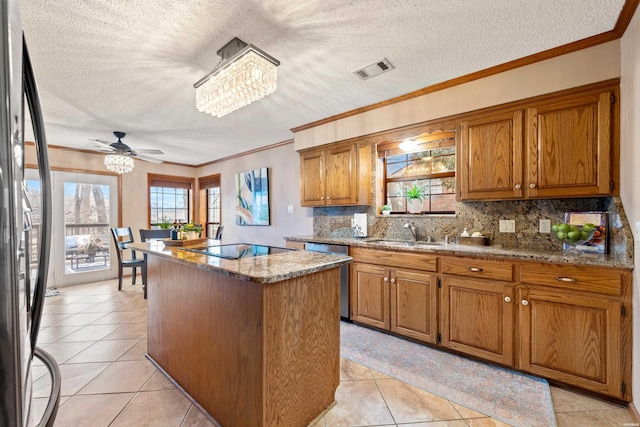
374 69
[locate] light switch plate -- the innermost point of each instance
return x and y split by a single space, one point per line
290 209
507 225
637 233
545 226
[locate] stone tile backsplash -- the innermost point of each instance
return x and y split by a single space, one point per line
483 217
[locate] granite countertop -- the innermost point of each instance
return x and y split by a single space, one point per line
608 260
259 269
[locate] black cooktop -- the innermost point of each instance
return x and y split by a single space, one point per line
237 250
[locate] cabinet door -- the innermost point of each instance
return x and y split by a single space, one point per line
342 175
312 178
490 158
478 318
370 295
414 299
569 148
571 338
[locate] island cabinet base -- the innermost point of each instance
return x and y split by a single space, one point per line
251 354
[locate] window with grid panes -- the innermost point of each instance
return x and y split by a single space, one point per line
210 202
169 199
431 164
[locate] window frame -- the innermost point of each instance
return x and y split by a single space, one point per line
171 181
206 183
424 142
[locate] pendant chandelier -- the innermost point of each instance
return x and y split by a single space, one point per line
244 74
118 163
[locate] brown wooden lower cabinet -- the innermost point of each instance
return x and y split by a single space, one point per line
571 338
478 318
414 308
567 323
402 301
370 295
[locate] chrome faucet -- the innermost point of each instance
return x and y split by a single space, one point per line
412 229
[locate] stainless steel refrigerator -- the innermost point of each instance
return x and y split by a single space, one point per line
22 284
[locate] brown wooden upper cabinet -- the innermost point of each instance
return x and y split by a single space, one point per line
557 147
337 175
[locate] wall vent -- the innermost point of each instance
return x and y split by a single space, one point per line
374 69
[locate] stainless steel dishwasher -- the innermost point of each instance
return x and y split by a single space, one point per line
344 271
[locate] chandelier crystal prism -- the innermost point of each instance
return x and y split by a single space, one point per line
245 74
118 163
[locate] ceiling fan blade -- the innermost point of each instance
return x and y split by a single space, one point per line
148 151
101 142
146 158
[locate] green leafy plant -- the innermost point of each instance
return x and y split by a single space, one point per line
191 227
385 208
416 191
165 224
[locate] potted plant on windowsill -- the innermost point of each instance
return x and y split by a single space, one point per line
415 195
191 230
385 209
165 224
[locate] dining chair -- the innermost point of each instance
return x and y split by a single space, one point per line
146 235
154 234
121 237
218 235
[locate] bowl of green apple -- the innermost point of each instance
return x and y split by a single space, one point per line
574 235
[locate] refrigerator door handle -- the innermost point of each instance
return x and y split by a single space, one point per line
51 410
31 93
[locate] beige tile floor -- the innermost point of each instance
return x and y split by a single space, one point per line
98 336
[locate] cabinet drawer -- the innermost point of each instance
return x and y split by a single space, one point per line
606 281
410 260
479 268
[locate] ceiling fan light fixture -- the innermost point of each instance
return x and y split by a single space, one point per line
245 74
118 163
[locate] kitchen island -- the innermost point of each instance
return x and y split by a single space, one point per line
255 340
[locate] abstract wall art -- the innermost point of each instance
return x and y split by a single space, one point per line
252 196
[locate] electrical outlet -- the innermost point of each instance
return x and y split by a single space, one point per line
290 209
507 225
545 226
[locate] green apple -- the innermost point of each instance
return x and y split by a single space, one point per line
574 235
565 228
561 235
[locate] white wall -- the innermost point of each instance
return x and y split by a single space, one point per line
597 63
629 161
284 190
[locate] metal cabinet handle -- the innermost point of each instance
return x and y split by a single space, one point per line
393 280
321 197
475 269
328 197
525 302
386 279
565 279
532 185
518 186
507 299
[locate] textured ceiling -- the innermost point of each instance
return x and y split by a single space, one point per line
130 65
